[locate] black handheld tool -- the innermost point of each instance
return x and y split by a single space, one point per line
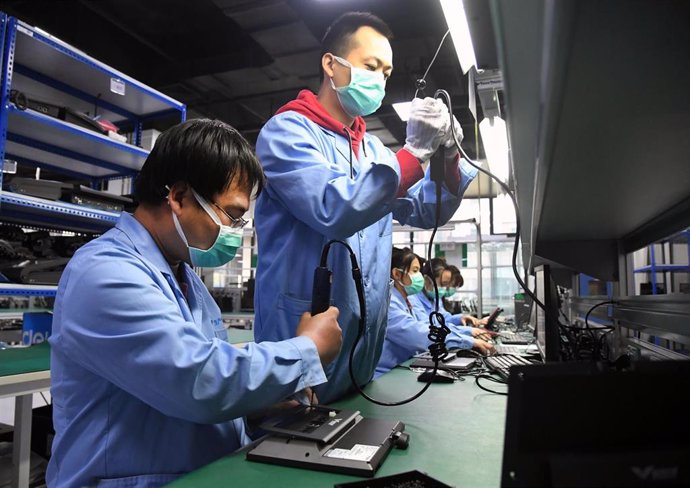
321 292
438 165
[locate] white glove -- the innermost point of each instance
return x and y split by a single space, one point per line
448 141
427 127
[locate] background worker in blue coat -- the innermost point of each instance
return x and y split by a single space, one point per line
424 303
328 179
407 332
145 385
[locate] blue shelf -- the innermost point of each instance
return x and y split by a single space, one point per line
11 289
42 53
38 137
659 268
28 210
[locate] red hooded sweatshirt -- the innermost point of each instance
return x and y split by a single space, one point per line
411 171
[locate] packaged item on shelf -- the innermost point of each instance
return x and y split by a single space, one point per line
101 200
48 189
24 101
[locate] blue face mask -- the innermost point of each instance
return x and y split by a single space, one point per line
364 94
223 249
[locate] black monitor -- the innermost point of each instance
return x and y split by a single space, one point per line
582 424
546 320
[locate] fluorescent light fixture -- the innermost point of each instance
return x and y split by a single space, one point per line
454 12
495 140
403 110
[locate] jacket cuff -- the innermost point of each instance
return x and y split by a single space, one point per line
410 171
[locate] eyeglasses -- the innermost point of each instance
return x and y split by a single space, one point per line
235 223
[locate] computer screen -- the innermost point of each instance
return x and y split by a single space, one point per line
585 424
546 321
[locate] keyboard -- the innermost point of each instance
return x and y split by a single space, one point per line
509 349
516 337
501 364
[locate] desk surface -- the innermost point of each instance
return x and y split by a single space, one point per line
456 436
25 359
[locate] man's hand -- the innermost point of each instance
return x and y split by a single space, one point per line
324 330
427 127
486 348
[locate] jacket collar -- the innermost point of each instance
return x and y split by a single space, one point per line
143 242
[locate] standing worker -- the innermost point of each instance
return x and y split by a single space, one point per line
145 385
328 179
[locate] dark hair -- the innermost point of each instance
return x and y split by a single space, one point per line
206 154
436 266
338 36
402 258
456 276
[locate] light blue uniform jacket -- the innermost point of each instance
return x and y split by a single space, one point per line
145 385
311 198
422 306
407 334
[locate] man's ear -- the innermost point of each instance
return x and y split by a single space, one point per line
177 196
327 65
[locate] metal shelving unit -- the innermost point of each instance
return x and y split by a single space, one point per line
682 238
598 142
45 68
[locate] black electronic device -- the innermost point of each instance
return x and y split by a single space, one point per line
510 337
547 328
25 101
22 101
328 439
411 479
502 363
450 363
48 189
101 200
585 424
440 376
321 290
36 272
490 322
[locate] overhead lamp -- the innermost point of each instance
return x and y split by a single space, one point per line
454 12
403 110
495 141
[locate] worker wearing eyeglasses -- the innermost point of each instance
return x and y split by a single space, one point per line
145 385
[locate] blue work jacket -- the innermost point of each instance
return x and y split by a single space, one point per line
310 198
145 385
422 306
407 334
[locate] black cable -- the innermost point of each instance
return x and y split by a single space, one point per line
507 191
487 377
421 83
357 277
607 302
